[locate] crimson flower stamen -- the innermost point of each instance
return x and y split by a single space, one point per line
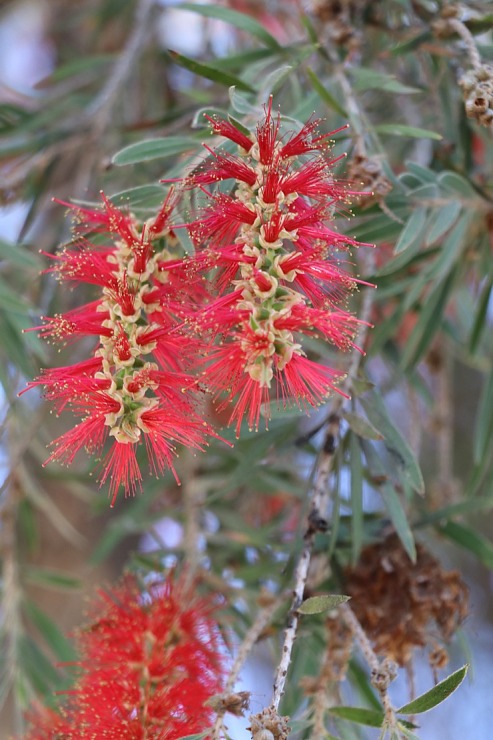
280 271
117 395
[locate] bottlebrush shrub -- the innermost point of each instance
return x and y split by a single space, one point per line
135 387
280 267
282 272
149 662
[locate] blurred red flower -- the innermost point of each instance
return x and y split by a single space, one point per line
149 662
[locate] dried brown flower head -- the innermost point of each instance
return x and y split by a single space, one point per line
369 172
269 725
337 18
477 89
403 605
235 703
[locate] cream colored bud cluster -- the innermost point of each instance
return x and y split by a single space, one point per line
477 88
264 293
123 353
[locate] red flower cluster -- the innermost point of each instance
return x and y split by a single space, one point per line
280 267
135 386
149 663
161 326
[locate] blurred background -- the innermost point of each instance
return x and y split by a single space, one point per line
78 83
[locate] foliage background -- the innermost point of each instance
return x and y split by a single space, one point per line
110 81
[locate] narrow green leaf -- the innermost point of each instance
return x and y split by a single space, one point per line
452 246
75 67
361 426
13 346
411 43
425 191
443 220
242 60
148 197
469 506
484 422
429 321
19 255
361 385
322 603
424 174
158 148
10 300
36 665
481 315
404 731
412 230
403 259
310 29
370 79
53 578
357 516
471 540
272 81
61 647
209 73
482 23
398 516
400 129
361 715
391 500
435 695
241 105
396 444
324 95
456 184
239 20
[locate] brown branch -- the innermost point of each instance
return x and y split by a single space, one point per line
262 619
318 495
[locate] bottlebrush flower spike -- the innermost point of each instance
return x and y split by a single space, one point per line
135 387
280 266
149 663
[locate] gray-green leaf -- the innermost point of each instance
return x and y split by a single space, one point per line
435 695
322 603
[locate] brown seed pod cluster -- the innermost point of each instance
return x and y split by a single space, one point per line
442 28
269 725
403 605
368 172
335 16
234 702
477 89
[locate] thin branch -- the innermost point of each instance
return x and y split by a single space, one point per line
468 40
318 496
192 494
382 673
99 112
11 623
262 619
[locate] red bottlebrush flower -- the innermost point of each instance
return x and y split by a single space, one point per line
226 129
135 388
304 142
281 269
224 167
267 132
149 662
47 724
